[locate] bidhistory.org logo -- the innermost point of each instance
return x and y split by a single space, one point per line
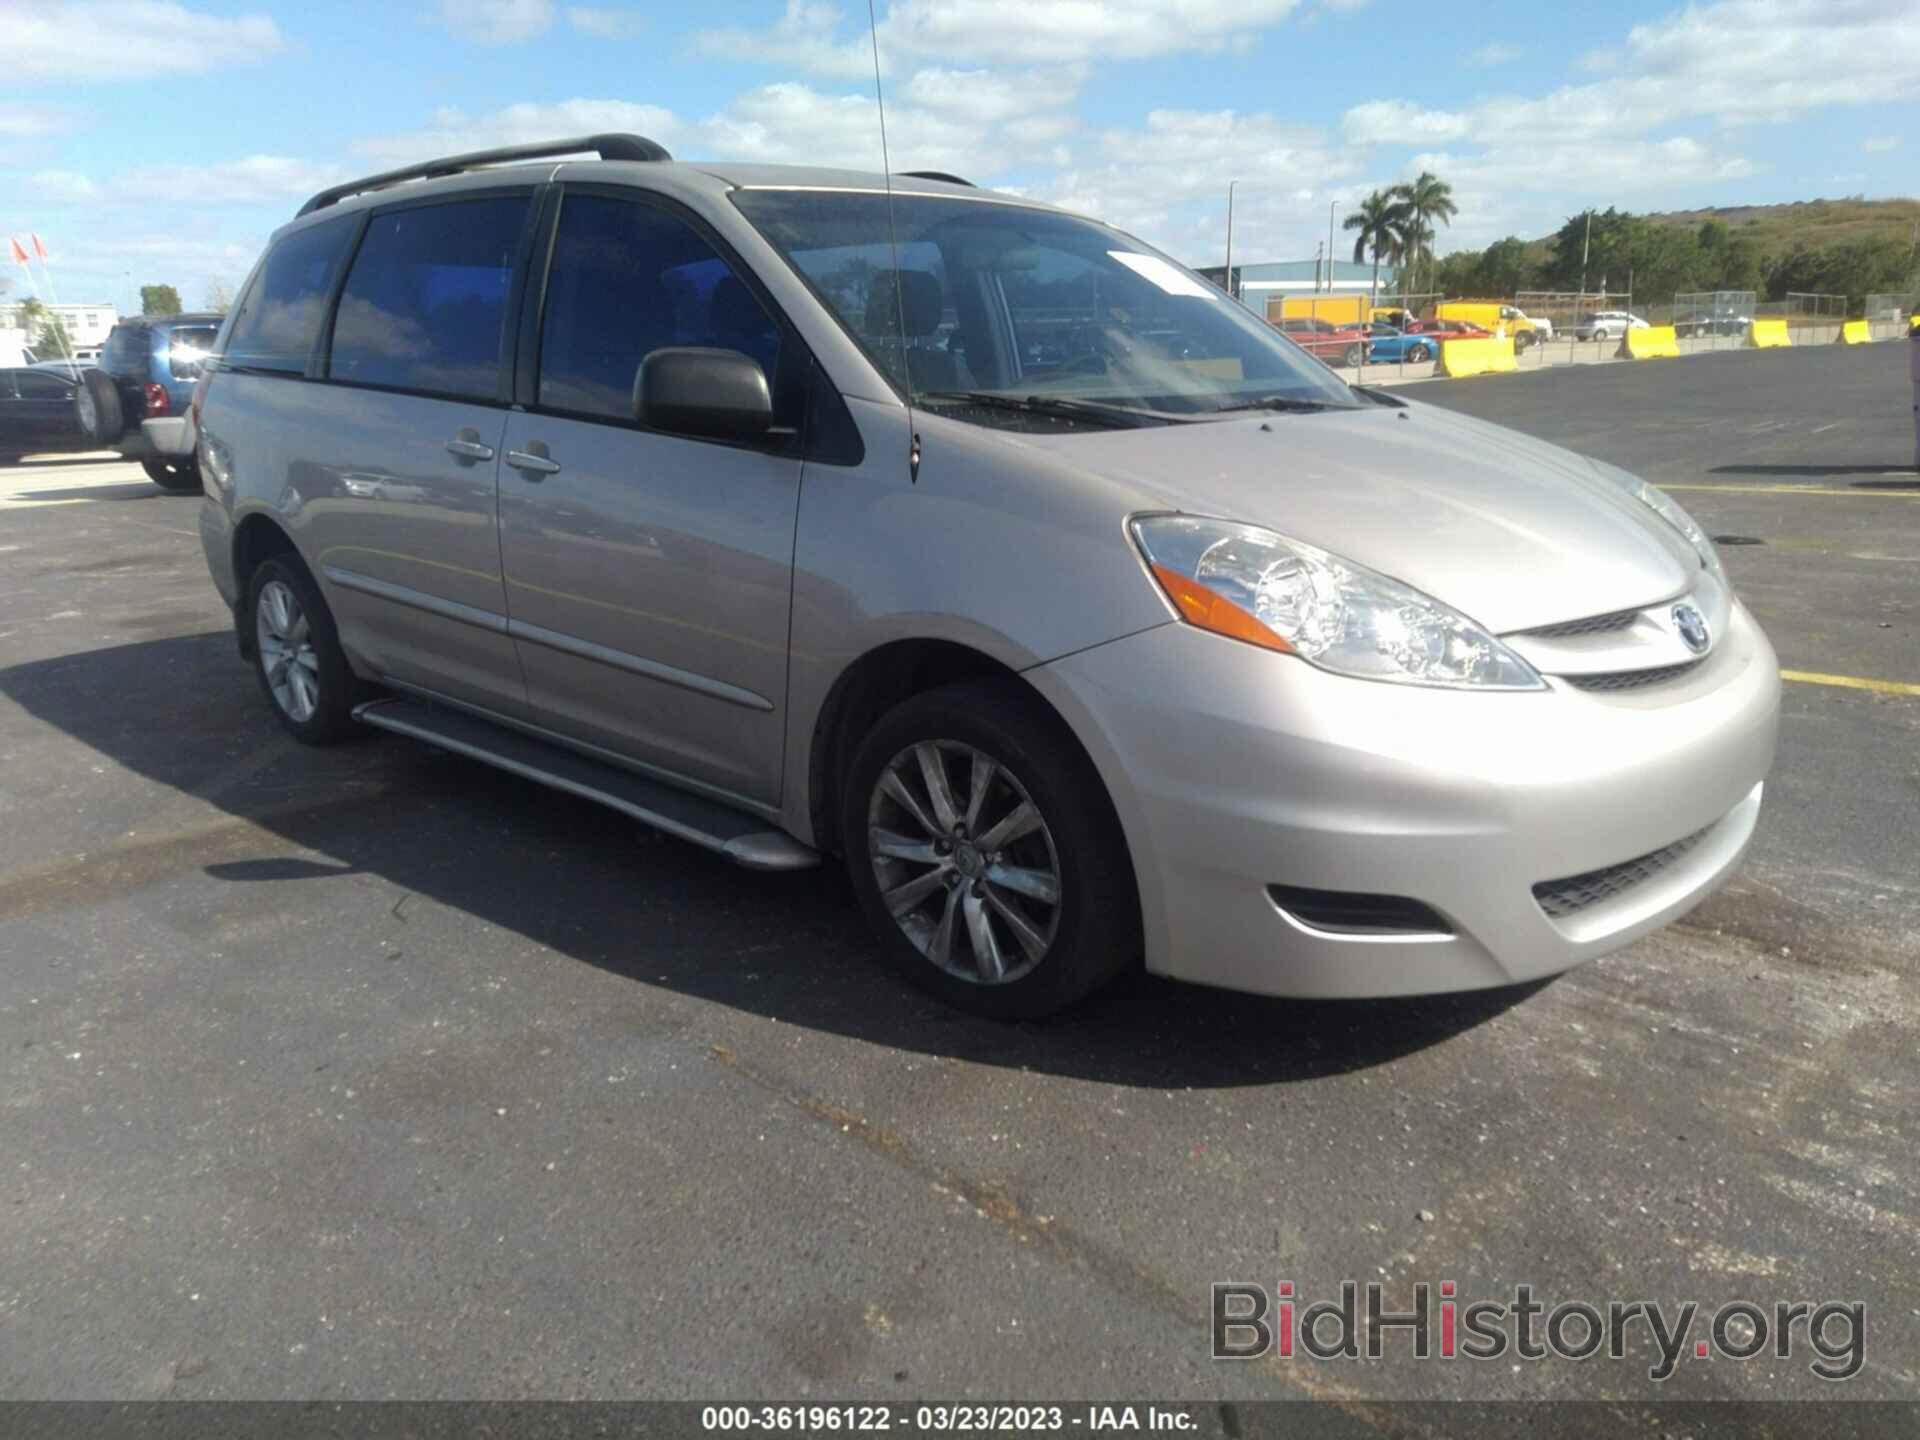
1442 1325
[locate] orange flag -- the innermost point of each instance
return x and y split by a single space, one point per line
19 255
38 248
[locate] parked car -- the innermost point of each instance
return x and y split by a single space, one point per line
1494 316
1390 345
37 413
1607 325
136 401
1698 323
1335 344
1447 330
624 475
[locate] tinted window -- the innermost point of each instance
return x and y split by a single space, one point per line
627 279
189 346
126 350
39 385
276 323
425 305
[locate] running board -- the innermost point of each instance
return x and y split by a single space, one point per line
744 839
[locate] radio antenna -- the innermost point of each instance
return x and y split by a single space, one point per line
893 247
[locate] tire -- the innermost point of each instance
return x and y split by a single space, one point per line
181 476
96 404
1352 356
1419 353
313 694
1073 942
1600 337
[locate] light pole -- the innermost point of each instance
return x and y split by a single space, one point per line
1230 185
1332 206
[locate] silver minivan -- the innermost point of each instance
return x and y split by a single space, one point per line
803 512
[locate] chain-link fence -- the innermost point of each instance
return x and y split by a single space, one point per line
1812 318
1712 319
1888 315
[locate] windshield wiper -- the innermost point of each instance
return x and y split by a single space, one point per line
1053 405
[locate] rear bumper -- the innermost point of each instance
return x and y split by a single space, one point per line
1234 770
166 437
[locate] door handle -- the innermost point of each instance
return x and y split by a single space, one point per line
533 464
467 445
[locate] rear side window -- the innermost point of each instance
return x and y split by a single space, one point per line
188 346
627 279
126 350
277 322
425 304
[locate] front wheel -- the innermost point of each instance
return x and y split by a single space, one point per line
180 476
1418 353
297 654
986 854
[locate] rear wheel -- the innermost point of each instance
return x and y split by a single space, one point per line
297 654
178 475
986 854
1418 353
1351 357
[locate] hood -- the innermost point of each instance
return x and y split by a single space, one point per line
1512 532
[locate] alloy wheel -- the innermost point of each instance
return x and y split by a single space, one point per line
85 411
965 861
287 656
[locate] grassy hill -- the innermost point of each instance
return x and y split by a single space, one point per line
1776 229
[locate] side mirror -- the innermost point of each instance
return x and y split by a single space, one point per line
694 390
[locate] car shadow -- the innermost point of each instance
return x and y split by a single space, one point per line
1886 477
590 884
132 490
54 460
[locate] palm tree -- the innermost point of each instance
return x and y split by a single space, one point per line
1423 200
1377 220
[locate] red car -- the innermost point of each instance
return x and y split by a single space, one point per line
1334 344
1448 329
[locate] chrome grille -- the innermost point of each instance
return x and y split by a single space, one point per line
1631 679
1591 625
1571 894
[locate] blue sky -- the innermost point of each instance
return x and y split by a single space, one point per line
151 141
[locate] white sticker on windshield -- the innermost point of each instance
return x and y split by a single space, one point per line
1152 267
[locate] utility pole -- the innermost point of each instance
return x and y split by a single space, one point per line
1332 205
1230 291
1586 245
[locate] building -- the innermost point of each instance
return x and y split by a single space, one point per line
1261 287
87 325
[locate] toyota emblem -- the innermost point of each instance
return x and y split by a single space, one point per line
1692 626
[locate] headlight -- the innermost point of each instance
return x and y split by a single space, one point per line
1668 509
1253 585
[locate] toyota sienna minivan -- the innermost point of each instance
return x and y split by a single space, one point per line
806 513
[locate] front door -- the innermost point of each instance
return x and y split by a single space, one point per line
648 576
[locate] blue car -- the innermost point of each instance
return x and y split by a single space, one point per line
1389 345
136 401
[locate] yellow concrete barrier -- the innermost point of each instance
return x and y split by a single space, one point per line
1768 334
1652 343
1856 332
1460 358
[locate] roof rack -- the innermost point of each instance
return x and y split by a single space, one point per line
937 175
608 147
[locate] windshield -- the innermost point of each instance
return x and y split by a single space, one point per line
1002 300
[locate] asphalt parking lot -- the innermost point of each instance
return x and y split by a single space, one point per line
371 1072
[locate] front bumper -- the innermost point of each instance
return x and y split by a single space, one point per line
1234 769
166 437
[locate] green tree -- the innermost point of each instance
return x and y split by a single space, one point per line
1503 268
51 341
159 300
1377 222
29 317
1424 200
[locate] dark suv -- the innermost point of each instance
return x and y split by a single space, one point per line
136 401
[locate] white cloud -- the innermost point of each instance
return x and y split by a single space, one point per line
63 186
1733 62
605 24
497 22
53 40
29 122
1880 144
252 180
1497 53
821 39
